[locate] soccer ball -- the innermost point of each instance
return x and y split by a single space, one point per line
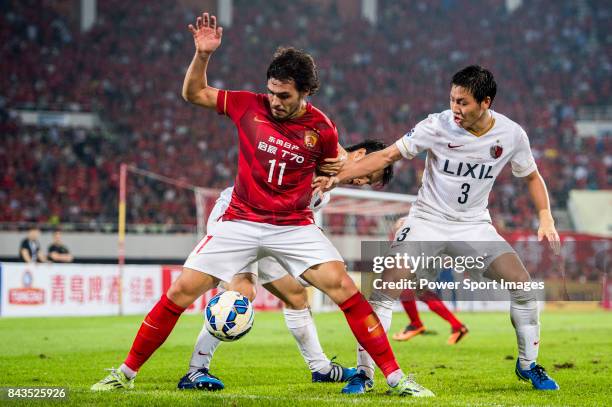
229 316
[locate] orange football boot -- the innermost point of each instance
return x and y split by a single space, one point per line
457 334
408 333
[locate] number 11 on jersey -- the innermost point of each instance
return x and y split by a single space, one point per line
281 165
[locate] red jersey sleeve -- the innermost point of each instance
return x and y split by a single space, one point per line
329 146
234 103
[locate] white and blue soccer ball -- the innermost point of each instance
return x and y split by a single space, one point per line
229 316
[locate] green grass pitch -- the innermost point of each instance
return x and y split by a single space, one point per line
265 368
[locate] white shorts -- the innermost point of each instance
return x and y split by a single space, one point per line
214 218
231 246
268 270
418 236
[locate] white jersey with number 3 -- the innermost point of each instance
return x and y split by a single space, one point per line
460 168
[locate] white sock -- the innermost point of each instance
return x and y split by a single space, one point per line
525 319
303 329
383 307
127 371
394 378
203 351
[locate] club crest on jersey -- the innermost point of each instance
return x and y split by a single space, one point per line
310 138
496 151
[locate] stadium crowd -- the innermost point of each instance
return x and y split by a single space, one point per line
377 82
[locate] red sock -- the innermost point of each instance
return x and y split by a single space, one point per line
409 304
436 305
154 330
369 332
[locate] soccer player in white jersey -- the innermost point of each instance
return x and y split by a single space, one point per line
281 284
467 146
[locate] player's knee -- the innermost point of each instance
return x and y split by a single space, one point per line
250 293
189 286
246 289
342 289
245 285
180 293
508 267
524 297
347 283
176 288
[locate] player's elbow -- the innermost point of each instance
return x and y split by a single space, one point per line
189 96
206 97
190 93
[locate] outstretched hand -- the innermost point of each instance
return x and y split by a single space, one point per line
206 34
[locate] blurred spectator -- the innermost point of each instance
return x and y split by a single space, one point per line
29 250
58 252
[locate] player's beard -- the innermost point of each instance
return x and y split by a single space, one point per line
290 114
279 115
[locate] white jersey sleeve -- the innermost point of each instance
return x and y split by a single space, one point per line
418 139
522 160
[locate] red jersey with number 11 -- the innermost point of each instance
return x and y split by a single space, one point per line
276 160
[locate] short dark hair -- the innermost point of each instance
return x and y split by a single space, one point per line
370 147
478 80
289 63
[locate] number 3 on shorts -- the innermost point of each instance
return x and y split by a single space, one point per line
402 235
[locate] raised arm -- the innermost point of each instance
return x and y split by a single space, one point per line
207 38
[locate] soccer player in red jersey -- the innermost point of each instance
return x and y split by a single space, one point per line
282 140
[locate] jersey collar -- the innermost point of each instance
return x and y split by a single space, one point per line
485 130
